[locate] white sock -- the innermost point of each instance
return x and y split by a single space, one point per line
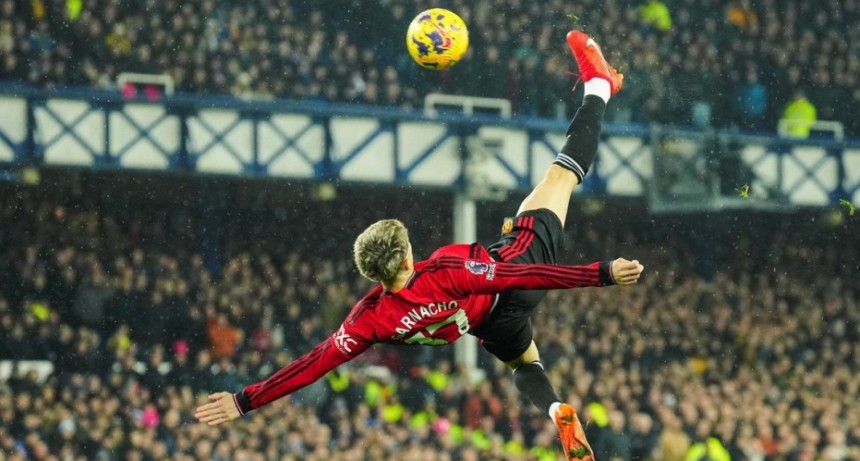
552 409
598 87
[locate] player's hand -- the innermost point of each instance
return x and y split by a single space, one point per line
222 409
626 272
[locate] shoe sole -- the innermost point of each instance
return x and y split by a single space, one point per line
568 423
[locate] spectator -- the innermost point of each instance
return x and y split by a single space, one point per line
74 8
615 441
643 437
223 337
752 102
828 98
799 116
655 14
113 394
674 442
741 15
319 52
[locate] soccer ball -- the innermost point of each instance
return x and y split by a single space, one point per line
437 39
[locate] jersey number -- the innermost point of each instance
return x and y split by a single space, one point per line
458 317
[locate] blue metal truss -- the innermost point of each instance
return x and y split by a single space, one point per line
217 140
337 166
16 148
68 129
403 172
288 142
313 141
143 134
786 152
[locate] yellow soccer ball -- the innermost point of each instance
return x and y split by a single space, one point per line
437 39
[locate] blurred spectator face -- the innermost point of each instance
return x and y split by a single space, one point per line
7 8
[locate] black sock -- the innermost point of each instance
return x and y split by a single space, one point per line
583 136
532 381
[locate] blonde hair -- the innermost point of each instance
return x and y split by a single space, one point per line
380 249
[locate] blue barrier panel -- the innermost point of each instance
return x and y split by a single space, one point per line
336 142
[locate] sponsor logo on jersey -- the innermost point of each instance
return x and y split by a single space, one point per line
491 272
343 341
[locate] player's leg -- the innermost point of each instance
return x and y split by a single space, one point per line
553 193
531 379
511 342
508 335
580 148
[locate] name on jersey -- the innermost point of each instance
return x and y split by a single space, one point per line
419 313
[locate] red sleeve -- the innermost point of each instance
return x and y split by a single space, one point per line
343 345
487 277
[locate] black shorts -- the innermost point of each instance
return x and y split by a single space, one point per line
533 237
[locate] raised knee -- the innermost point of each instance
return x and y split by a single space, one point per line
530 355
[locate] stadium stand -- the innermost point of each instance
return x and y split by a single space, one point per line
712 64
741 343
741 347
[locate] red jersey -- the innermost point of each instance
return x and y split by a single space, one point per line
447 295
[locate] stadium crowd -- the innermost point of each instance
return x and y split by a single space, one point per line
687 62
733 347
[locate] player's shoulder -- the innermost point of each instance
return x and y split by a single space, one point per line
454 257
462 251
365 305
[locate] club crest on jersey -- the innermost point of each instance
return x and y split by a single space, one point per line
480 268
507 226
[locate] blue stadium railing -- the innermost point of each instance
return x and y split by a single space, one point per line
674 168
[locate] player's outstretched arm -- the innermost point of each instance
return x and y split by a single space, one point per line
625 272
340 347
471 276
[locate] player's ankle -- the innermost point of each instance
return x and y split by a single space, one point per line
580 148
599 87
569 164
553 409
